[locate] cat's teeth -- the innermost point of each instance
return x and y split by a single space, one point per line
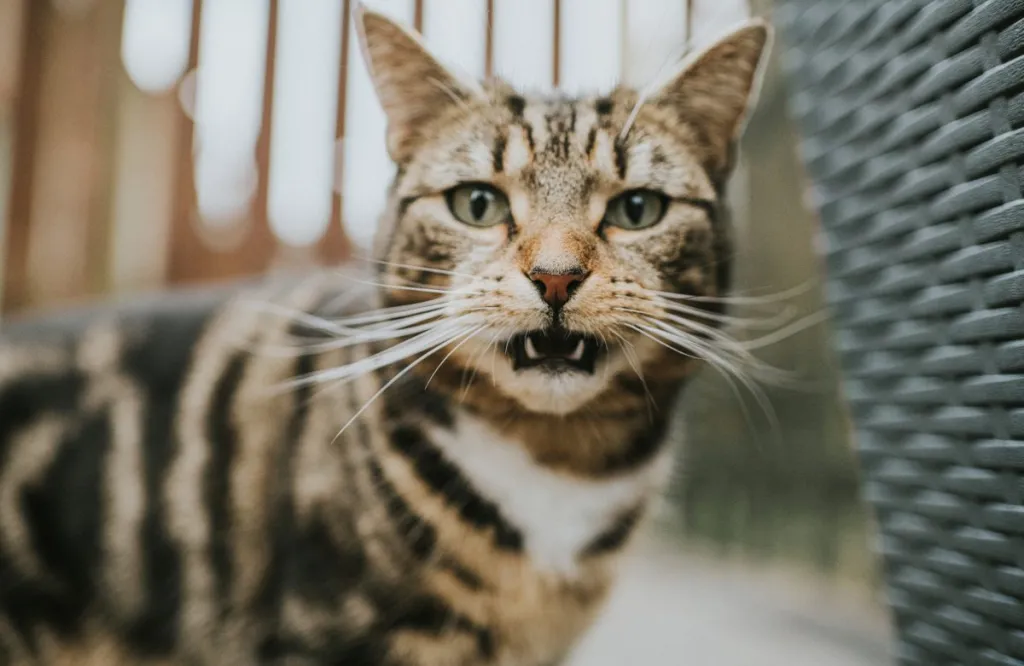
531 351
577 354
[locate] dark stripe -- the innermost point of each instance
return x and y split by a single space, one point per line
499 154
415 530
410 396
710 208
569 131
516 104
283 522
528 128
468 578
418 534
158 363
223 441
432 616
640 450
620 158
65 520
321 570
404 203
591 140
447 480
26 399
616 534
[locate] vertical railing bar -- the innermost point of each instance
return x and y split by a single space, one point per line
100 254
623 41
489 41
417 20
556 64
688 35
26 128
335 244
260 214
184 236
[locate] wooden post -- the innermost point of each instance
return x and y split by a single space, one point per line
191 259
556 65
489 41
335 246
23 82
58 231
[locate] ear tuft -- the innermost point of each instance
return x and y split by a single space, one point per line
717 87
412 86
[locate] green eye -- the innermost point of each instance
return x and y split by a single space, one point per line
636 209
477 204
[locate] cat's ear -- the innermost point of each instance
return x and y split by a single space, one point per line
411 84
717 86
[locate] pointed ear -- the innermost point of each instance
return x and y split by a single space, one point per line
717 87
411 84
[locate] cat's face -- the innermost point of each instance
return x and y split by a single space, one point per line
549 223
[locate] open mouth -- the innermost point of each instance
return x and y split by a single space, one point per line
555 350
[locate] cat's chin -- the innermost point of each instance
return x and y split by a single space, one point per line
552 390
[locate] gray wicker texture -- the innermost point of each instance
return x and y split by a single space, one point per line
912 115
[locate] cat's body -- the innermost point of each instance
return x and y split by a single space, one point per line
264 476
158 495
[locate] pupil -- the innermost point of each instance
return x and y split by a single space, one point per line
635 208
478 202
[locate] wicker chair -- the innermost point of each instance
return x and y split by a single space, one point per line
912 113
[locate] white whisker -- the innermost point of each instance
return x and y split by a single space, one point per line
425 269
741 298
802 324
453 350
401 373
381 359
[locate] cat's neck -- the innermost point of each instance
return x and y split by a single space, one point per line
619 431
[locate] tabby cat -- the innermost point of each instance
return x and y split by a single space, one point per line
442 469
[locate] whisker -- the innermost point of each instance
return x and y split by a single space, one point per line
798 326
420 289
391 355
742 298
453 350
629 352
354 337
401 373
729 371
425 269
725 345
733 321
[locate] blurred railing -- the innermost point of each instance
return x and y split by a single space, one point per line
153 142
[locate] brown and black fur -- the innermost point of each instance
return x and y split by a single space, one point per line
161 503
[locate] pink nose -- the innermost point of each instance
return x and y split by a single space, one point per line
557 288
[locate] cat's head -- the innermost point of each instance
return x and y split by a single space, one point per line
573 241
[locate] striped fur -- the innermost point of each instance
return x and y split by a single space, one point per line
161 503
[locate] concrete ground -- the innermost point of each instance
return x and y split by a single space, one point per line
683 610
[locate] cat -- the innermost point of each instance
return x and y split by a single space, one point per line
441 468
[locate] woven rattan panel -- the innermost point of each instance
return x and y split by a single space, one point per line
912 114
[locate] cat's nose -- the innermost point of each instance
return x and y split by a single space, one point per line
557 287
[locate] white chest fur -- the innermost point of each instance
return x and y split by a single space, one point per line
558 514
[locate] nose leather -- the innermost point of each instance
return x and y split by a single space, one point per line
556 288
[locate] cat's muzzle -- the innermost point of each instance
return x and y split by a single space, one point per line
555 350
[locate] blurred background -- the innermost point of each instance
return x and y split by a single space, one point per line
152 143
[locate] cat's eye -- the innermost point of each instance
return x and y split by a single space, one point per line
636 209
478 204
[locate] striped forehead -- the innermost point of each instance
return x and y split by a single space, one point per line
553 133
557 145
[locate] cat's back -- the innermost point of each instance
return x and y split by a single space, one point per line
104 410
